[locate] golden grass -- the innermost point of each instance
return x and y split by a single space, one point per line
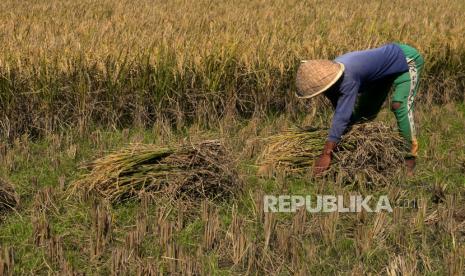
123 63
255 29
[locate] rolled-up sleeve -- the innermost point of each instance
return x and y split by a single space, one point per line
344 109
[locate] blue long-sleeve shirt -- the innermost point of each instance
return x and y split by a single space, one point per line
362 68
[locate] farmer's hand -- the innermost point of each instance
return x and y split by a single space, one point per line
324 160
321 164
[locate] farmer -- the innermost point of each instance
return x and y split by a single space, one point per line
357 84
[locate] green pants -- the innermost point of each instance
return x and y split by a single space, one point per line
405 85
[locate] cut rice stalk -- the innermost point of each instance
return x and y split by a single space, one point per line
203 170
9 199
370 152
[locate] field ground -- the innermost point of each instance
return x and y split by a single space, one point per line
424 239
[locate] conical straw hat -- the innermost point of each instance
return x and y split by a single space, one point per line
316 76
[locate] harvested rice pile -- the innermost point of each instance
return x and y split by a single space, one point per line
202 170
368 152
8 197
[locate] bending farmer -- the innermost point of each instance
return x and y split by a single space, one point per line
357 84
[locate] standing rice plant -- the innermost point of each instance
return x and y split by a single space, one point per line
101 67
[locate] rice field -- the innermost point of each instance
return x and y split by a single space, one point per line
82 80
67 63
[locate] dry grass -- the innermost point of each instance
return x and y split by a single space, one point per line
368 152
9 199
202 170
6 261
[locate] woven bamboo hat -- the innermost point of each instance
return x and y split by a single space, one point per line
316 76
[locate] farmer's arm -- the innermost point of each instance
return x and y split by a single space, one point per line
341 119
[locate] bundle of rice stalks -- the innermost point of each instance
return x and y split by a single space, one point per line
203 170
369 152
9 199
